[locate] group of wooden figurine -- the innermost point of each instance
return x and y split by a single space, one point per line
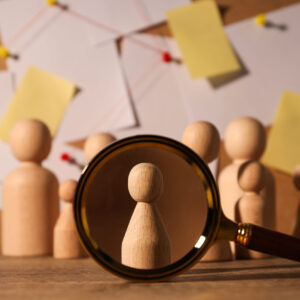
31 225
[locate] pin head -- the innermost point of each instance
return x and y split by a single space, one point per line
30 140
145 182
251 176
65 157
166 57
260 20
51 2
245 138
4 53
67 190
204 139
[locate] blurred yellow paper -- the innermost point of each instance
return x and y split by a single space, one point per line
283 147
199 32
40 95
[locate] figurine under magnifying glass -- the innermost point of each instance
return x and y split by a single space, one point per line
146 243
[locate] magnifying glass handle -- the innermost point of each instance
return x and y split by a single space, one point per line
271 242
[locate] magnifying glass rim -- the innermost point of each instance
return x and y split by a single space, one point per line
213 215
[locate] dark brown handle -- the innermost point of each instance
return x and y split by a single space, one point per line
271 242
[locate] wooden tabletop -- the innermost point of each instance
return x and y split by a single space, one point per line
48 278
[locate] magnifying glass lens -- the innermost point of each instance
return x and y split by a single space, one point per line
155 223
182 205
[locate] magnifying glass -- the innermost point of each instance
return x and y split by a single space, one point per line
188 209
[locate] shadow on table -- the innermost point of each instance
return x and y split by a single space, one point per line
233 269
234 273
230 277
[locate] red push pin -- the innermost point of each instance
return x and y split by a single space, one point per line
65 157
166 57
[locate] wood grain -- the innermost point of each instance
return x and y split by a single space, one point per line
29 193
0 231
146 243
47 278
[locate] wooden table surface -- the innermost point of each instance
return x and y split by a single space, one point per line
47 278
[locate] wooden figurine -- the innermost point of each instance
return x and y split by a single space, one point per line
30 194
245 139
66 242
204 139
0 231
251 207
95 143
296 180
146 243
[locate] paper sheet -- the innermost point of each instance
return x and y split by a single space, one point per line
272 59
199 32
6 90
57 42
154 90
155 95
283 147
114 18
40 95
8 162
15 14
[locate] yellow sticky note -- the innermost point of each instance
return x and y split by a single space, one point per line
40 95
283 147
199 32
